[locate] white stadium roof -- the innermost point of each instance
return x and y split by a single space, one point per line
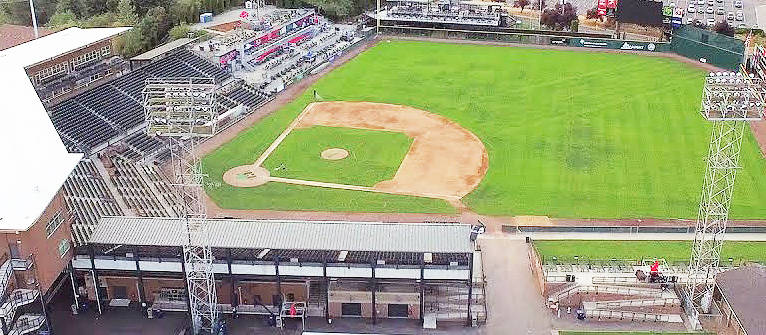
53 45
35 161
290 235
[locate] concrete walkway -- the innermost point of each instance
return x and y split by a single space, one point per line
637 236
514 303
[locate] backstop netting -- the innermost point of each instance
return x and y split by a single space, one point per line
720 50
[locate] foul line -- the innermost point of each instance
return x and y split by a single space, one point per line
282 136
358 188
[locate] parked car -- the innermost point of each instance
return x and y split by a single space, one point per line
730 16
709 10
720 11
710 2
742 26
738 3
710 21
700 2
719 1
740 15
691 8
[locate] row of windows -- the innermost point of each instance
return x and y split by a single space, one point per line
54 224
51 71
75 63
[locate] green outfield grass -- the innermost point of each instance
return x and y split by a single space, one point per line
629 333
569 133
671 251
374 156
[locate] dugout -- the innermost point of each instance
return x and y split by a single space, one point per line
719 50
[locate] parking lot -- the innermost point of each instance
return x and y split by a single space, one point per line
749 16
705 10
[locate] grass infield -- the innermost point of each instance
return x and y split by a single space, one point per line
374 156
629 333
671 251
569 133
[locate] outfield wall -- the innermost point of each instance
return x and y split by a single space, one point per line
716 49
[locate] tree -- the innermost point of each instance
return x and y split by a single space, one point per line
559 17
333 8
62 20
723 27
592 13
574 25
521 4
126 14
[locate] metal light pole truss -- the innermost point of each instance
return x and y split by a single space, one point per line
729 101
183 109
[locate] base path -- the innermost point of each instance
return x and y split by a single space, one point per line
445 159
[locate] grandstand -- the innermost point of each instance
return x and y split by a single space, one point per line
89 198
112 111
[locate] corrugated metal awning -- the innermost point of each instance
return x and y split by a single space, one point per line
290 235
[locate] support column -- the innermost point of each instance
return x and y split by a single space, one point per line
422 289
74 286
326 287
279 282
374 288
140 274
470 288
186 286
94 272
232 281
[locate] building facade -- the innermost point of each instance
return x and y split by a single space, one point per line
412 271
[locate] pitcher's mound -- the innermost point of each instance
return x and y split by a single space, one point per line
246 176
334 154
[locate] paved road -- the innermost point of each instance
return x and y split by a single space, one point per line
514 302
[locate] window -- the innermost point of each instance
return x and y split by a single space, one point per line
105 51
63 247
86 58
397 310
54 224
351 309
51 71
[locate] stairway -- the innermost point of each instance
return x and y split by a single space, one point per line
16 299
27 323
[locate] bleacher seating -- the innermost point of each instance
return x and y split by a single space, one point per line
143 144
79 124
88 198
135 190
248 96
119 101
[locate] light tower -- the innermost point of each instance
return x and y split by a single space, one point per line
183 110
729 101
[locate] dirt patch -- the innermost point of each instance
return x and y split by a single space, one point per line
224 27
759 131
445 159
334 154
246 176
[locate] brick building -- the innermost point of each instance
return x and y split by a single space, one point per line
338 269
63 62
34 221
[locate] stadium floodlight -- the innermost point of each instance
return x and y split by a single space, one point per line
182 110
729 101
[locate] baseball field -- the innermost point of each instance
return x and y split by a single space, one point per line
563 134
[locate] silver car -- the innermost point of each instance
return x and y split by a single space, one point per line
730 16
720 11
738 3
709 10
740 16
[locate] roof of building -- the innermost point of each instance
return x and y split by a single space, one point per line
12 35
56 44
162 49
35 161
290 235
745 290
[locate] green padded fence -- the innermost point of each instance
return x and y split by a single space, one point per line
719 50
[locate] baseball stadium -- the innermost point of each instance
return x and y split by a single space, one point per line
401 172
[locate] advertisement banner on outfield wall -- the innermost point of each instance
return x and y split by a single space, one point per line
617 44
